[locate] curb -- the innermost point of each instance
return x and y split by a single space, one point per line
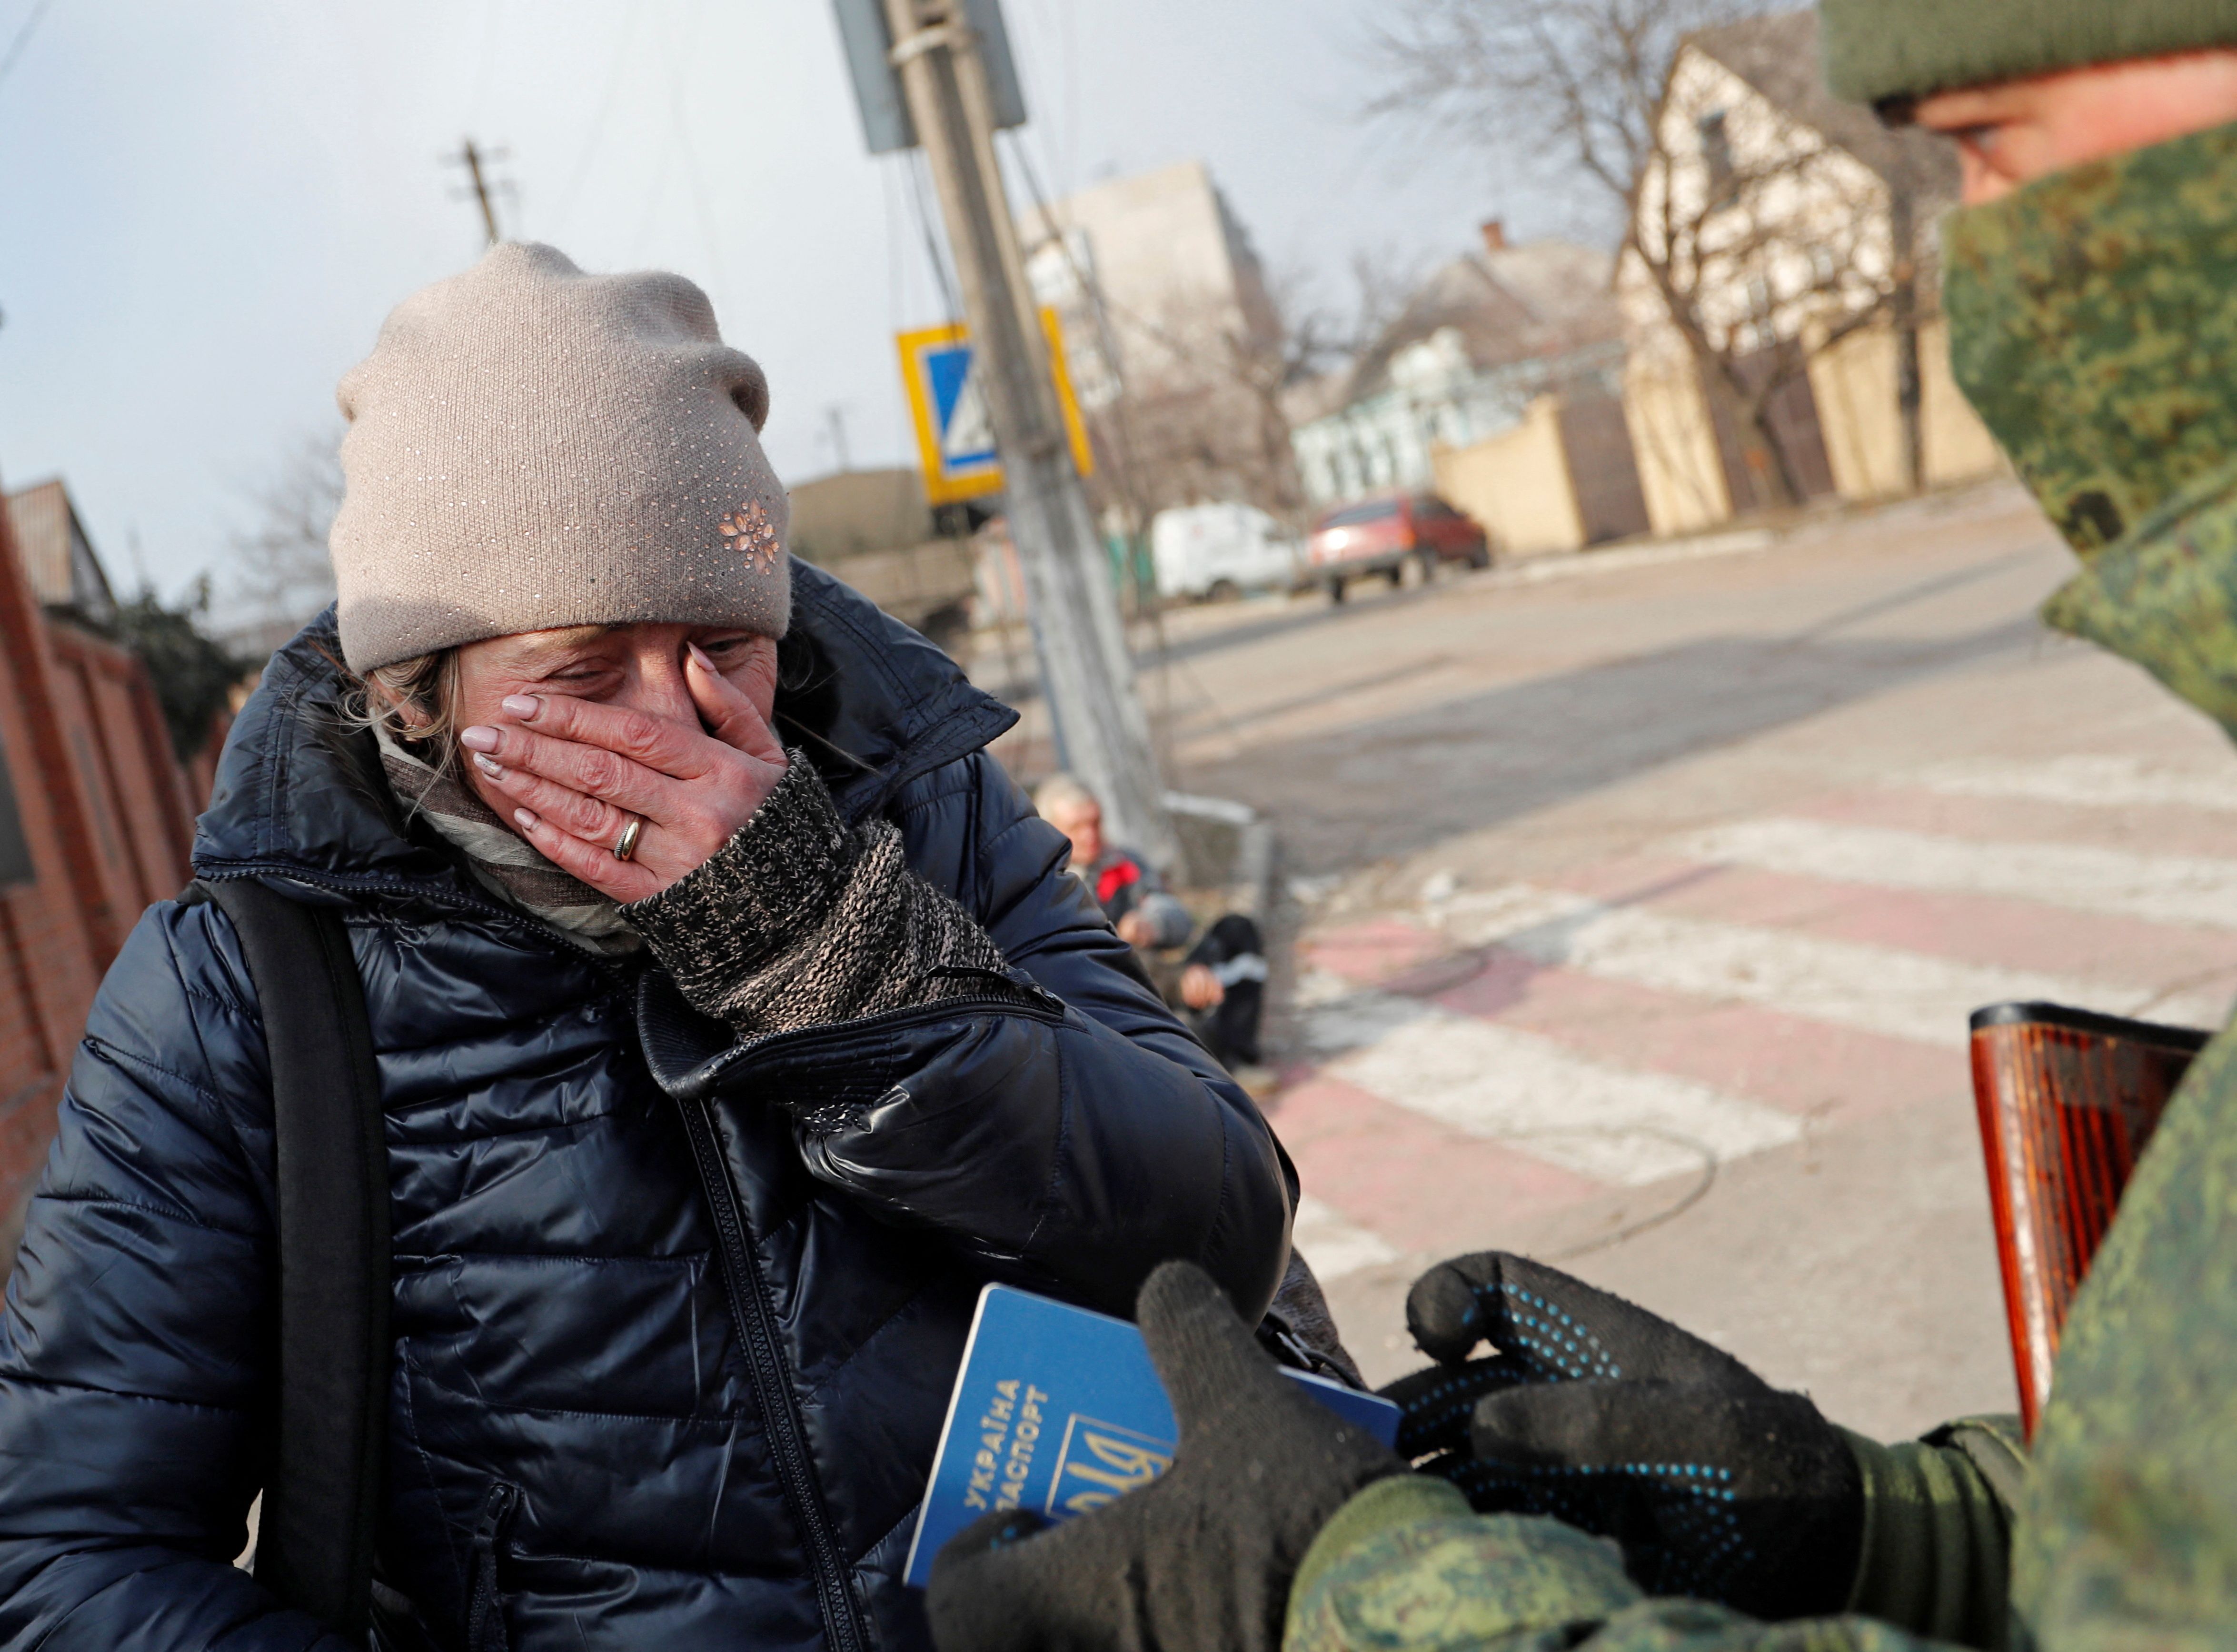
1576 563
1251 879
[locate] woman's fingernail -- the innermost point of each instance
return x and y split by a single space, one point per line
699 655
524 706
489 766
528 820
477 738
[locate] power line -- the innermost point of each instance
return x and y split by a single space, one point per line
619 63
898 288
1120 445
691 175
23 38
492 20
1087 671
916 161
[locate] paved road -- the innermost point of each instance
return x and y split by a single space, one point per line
1641 913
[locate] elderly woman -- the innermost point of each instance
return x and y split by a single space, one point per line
591 770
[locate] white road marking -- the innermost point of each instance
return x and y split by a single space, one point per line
2191 890
1604 1122
1625 1126
1481 917
2092 782
1358 1020
1333 1242
1878 989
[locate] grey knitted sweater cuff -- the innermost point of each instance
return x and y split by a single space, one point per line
800 920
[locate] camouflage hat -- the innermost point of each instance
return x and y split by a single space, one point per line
1877 50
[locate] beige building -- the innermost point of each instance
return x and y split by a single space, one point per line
1562 477
1796 230
875 530
1172 337
1146 273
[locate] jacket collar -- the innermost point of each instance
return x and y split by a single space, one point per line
300 794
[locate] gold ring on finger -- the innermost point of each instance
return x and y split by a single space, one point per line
625 845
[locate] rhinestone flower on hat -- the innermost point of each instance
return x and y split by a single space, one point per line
749 532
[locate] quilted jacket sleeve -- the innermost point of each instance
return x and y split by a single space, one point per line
1073 1150
134 1343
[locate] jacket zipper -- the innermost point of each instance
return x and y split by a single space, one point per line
749 1294
742 1274
748 1290
485 1630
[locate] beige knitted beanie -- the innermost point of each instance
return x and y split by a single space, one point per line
530 446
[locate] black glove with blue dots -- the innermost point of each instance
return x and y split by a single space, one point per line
1592 1410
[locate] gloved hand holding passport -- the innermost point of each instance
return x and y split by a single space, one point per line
1036 1435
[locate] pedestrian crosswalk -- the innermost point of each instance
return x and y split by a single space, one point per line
1612 1125
2087 782
1878 989
2160 889
1336 1245
1731 991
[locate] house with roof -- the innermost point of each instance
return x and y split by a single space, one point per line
1778 283
58 558
1503 369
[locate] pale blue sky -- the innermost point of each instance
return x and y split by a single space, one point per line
205 211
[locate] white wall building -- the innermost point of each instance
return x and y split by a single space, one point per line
1388 442
1485 335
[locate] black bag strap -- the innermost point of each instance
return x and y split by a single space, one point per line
315 1537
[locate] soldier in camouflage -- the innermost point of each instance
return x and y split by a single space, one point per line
2090 282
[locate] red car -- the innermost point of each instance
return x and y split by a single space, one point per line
1382 536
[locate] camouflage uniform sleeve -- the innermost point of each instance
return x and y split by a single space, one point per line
1935 1552
1405 1567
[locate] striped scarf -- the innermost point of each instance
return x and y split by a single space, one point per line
499 858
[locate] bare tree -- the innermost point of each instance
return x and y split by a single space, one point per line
1763 233
1573 84
282 574
1202 410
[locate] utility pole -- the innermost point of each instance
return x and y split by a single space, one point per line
471 158
1087 671
836 417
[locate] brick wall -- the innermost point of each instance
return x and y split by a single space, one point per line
143 826
95 823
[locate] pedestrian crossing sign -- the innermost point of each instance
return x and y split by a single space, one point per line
954 436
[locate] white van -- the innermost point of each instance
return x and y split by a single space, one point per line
1222 549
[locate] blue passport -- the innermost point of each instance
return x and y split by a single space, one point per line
1058 1410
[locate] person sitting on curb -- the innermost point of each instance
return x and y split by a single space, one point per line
2090 285
734 1023
1221 986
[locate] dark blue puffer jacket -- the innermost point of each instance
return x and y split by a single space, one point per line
672 1346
